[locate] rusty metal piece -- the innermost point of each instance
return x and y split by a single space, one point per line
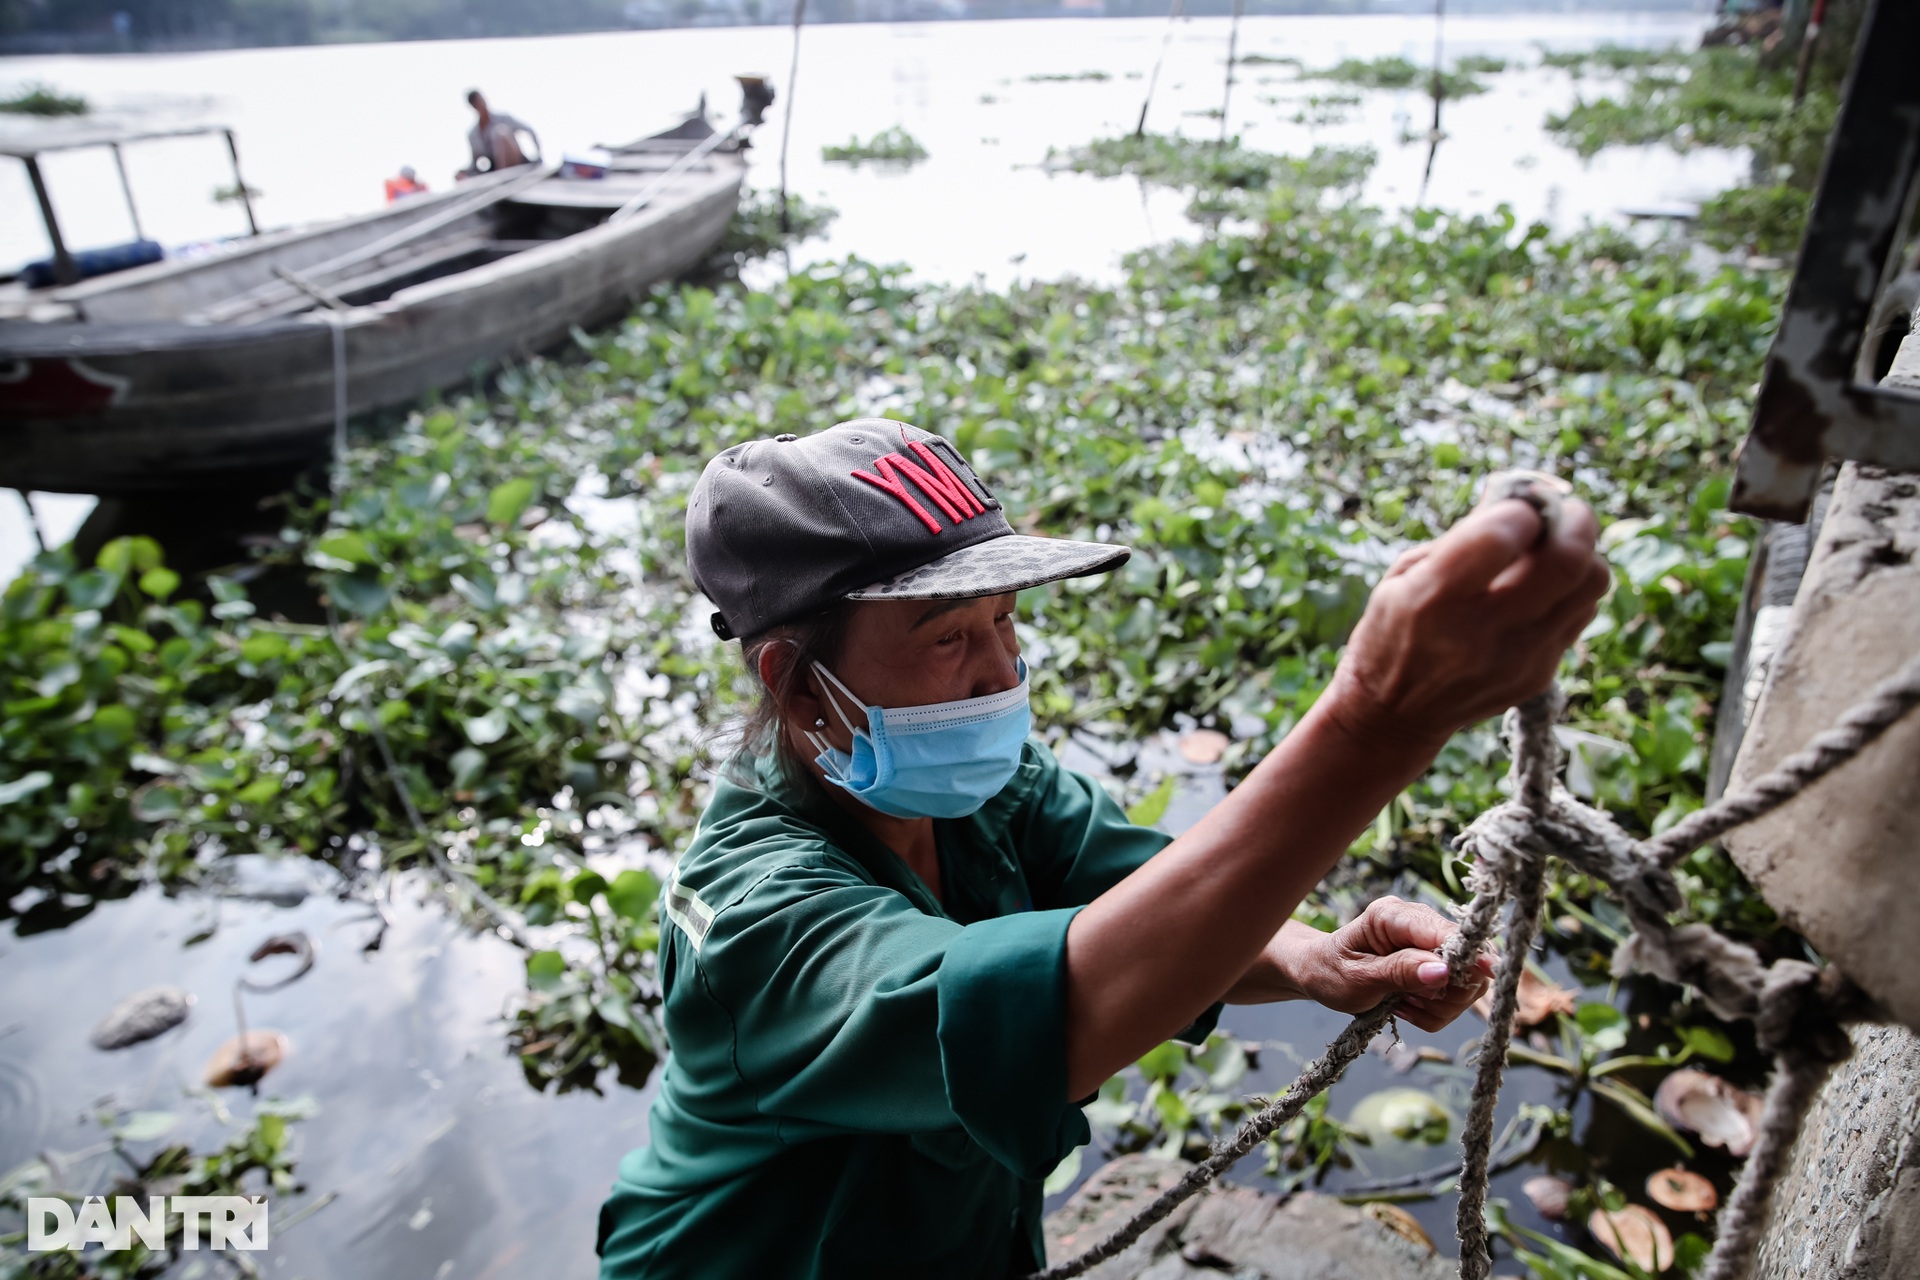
1812 406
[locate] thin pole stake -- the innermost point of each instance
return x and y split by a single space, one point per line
1439 92
33 521
240 185
1233 49
1808 42
786 128
126 189
1173 15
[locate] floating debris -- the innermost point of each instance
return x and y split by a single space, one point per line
1549 1195
1411 1115
1403 1057
1398 1221
1634 1234
142 1016
1723 1115
1682 1191
1540 998
295 944
1204 746
245 1058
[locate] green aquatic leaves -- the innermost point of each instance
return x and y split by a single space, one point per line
1266 416
38 99
891 146
1211 168
1395 72
585 1013
1764 220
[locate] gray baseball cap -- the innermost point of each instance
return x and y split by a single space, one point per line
867 510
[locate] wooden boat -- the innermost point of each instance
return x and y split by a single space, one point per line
207 371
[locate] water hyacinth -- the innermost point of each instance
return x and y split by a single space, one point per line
1266 416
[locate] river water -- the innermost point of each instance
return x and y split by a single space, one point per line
440 1159
320 128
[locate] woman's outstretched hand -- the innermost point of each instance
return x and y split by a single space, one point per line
1465 626
1460 629
1391 948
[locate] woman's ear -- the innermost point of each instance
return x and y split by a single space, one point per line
795 692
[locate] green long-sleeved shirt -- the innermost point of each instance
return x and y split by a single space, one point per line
865 1081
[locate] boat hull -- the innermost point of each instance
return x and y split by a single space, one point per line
112 408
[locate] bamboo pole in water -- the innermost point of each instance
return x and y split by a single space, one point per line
1233 52
1807 43
1173 15
1438 85
786 126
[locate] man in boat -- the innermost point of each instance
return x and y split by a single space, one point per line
495 139
407 184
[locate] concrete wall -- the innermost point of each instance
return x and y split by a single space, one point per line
1842 863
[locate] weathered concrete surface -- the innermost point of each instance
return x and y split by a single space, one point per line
1229 1230
1849 1207
1843 864
1842 861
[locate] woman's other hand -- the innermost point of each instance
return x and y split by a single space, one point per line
1391 948
1465 626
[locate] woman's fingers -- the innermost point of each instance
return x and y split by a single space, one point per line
1392 924
1555 573
1556 576
1433 1015
1473 622
1467 558
1394 947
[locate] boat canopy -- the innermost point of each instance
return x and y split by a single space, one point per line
27 146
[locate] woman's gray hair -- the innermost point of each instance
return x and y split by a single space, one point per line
816 638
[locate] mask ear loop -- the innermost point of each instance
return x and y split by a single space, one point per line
835 681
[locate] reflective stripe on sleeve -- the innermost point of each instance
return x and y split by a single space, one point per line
686 910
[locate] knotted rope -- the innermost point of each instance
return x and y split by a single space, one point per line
1799 1011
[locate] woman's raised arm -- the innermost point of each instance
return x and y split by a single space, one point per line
1460 629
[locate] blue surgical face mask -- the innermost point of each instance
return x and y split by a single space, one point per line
943 760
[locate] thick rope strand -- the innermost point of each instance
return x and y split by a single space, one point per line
1744 1219
1318 1076
1476 927
1798 1022
1531 734
1863 722
1476 1139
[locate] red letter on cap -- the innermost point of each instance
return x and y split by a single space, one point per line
893 484
941 484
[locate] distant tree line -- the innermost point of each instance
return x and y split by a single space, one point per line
141 24
105 25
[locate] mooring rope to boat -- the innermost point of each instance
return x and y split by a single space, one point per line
507 923
1799 1010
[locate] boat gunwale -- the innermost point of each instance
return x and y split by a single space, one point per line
80 339
244 247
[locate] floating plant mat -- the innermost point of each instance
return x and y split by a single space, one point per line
1266 417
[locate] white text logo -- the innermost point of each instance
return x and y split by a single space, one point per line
230 1222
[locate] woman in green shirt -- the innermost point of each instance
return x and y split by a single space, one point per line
904 940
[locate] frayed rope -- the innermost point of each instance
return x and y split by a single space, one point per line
1799 1012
